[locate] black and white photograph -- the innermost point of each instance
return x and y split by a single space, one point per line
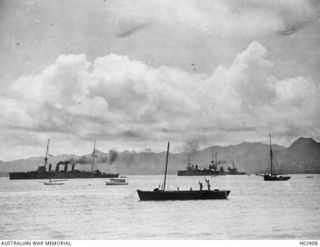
159 120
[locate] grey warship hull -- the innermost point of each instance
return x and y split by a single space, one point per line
206 173
43 173
54 175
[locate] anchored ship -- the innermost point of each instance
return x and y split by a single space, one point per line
163 194
273 176
47 173
212 170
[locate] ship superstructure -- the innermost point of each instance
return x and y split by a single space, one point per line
216 168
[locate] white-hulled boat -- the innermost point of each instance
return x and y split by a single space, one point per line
122 180
54 182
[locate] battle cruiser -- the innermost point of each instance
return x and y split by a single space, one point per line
212 170
47 173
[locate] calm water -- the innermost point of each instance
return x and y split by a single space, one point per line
88 209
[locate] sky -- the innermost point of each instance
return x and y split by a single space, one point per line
136 74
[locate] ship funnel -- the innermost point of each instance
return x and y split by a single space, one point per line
50 165
66 168
72 169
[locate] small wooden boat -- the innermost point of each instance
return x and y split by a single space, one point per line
160 195
163 194
274 177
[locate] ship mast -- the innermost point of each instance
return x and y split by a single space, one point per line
165 172
212 154
93 156
271 154
47 152
216 158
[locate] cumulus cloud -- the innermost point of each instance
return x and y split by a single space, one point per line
130 103
233 17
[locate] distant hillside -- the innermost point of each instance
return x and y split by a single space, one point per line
2 173
302 156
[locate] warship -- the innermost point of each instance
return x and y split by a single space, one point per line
212 170
44 172
273 176
164 195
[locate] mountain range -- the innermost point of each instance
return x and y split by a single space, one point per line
302 156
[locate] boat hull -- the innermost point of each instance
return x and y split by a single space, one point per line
183 195
52 183
116 183
55 175
275 178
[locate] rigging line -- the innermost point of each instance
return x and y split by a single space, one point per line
129 196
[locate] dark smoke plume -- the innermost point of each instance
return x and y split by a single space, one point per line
113 156
99 158
81 160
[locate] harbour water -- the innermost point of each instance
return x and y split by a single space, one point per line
87 209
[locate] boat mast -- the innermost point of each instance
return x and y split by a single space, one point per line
46 158
271 154
93 156
165 172
233 164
